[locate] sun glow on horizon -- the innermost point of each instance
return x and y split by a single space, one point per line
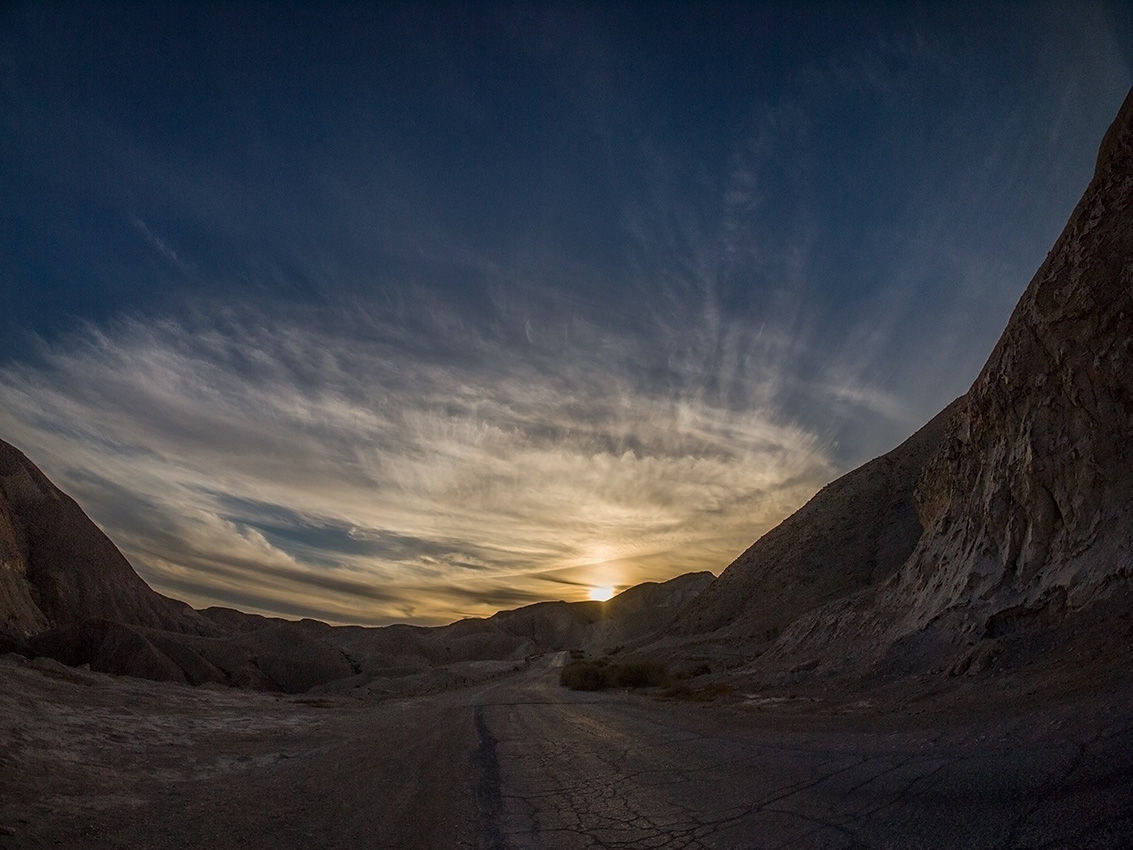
601 594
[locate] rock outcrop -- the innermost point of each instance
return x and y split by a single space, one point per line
1028 505
68 593
1010 512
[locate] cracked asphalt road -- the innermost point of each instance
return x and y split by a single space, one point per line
91 761
626 771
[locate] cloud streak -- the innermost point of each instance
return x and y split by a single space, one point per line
418 331
240 451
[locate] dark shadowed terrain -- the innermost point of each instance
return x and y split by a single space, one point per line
94 761
934 652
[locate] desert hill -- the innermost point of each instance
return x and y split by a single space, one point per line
1028 504
59 568
1022 491
67 593
855 532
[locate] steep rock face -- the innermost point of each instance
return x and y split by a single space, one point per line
58 567
855 532
1028 505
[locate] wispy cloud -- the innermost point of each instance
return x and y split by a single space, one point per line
302 468
163 247
598 324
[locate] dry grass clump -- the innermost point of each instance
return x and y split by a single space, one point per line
602 673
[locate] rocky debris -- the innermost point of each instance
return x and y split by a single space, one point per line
108 647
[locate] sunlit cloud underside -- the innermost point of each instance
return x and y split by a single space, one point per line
297 471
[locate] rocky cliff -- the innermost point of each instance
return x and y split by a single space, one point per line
1012 510
1027 504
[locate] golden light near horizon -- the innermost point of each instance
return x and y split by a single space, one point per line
601 594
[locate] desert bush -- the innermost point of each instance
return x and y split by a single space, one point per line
585 676
602 673
641 674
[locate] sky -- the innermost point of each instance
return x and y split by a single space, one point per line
411 313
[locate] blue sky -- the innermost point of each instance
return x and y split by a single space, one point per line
414 313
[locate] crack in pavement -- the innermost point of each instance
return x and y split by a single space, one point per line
623 773
488 798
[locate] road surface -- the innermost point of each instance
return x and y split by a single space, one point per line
522 763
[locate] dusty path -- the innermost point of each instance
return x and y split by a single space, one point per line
521 763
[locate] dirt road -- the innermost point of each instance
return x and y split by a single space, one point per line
521 763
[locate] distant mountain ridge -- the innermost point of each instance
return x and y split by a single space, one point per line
66 592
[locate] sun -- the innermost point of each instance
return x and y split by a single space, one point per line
601 594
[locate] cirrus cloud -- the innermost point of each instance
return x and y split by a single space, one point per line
310 470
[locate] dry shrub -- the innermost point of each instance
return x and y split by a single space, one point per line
602 673
585 676
641 674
